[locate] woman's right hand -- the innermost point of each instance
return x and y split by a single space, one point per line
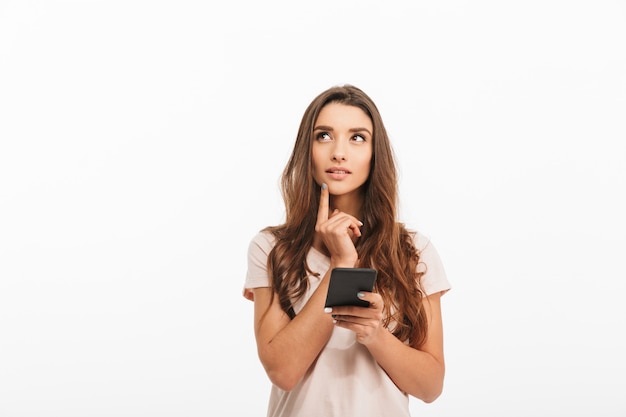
338 232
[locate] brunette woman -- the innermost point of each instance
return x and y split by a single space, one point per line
340 194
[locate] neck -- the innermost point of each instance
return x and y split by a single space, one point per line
348 203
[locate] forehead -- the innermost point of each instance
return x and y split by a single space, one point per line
340 116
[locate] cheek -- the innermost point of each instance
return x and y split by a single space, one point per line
318 157
365 161
315 161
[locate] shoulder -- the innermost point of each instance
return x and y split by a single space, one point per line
420 240
260 246
261 243
434 277
423 244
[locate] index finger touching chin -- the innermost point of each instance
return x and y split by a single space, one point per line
322 212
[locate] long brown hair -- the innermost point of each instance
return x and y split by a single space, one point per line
385 244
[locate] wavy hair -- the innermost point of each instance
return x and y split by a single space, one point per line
385 244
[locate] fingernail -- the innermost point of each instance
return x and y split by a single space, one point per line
324 186
328 310
360 295
360 223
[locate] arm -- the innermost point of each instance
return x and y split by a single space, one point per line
419 372
287 348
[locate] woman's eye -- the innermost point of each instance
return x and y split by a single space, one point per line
358 138
323 136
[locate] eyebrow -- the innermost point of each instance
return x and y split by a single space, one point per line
354 129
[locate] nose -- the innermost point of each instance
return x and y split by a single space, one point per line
339 151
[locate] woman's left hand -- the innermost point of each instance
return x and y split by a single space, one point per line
366 322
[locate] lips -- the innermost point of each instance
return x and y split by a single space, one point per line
338 173
338 170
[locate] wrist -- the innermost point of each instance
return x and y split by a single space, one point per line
343 263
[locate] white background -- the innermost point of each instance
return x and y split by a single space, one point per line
141 143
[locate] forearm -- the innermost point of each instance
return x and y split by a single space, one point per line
414 371
287 348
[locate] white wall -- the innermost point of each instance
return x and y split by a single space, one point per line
140 148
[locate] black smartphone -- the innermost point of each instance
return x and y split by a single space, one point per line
345 283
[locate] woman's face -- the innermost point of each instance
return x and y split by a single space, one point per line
342 148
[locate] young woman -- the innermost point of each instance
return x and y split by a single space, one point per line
340 193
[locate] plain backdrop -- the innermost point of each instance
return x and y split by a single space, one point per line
141 145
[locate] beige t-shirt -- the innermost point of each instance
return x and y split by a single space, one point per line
345 380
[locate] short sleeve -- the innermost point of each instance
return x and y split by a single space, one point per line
435 278
258 251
